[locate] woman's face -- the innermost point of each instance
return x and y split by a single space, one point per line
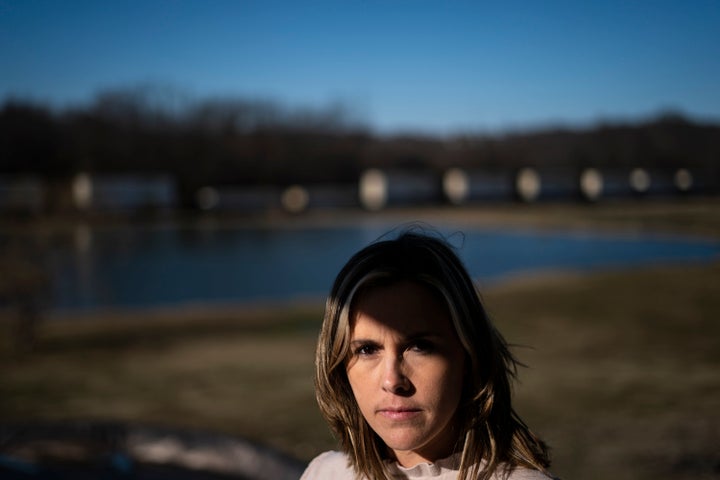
406 370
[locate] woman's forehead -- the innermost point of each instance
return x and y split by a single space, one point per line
406 307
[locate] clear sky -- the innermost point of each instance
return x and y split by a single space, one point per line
440 66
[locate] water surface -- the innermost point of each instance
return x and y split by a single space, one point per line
142 267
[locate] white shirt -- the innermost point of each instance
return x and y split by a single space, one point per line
334 466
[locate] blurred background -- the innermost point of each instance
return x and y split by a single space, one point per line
180 182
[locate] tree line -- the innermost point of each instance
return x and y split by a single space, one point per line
253 142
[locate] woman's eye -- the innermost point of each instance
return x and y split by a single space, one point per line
365 350
422 346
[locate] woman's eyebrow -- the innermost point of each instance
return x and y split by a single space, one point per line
422 335
410 336
363 341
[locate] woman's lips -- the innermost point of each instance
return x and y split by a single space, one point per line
399 413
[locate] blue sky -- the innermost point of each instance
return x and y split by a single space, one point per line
436 67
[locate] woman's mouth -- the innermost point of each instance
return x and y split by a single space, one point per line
399 413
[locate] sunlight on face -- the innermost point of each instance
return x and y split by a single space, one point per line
406 369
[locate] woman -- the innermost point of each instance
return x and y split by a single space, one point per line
412 376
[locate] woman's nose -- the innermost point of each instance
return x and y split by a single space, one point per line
395 380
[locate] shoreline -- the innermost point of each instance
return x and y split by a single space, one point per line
692 216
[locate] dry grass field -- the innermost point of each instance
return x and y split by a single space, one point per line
622 378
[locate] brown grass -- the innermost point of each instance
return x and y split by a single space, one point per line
622 381
622 378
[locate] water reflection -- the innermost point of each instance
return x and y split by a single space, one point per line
140 267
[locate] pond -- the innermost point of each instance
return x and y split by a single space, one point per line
171 265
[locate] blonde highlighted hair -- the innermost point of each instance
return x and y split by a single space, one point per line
493 435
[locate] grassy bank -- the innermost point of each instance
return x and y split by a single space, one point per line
622 381
696 216
622 378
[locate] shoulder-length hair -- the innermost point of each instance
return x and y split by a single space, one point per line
493 435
